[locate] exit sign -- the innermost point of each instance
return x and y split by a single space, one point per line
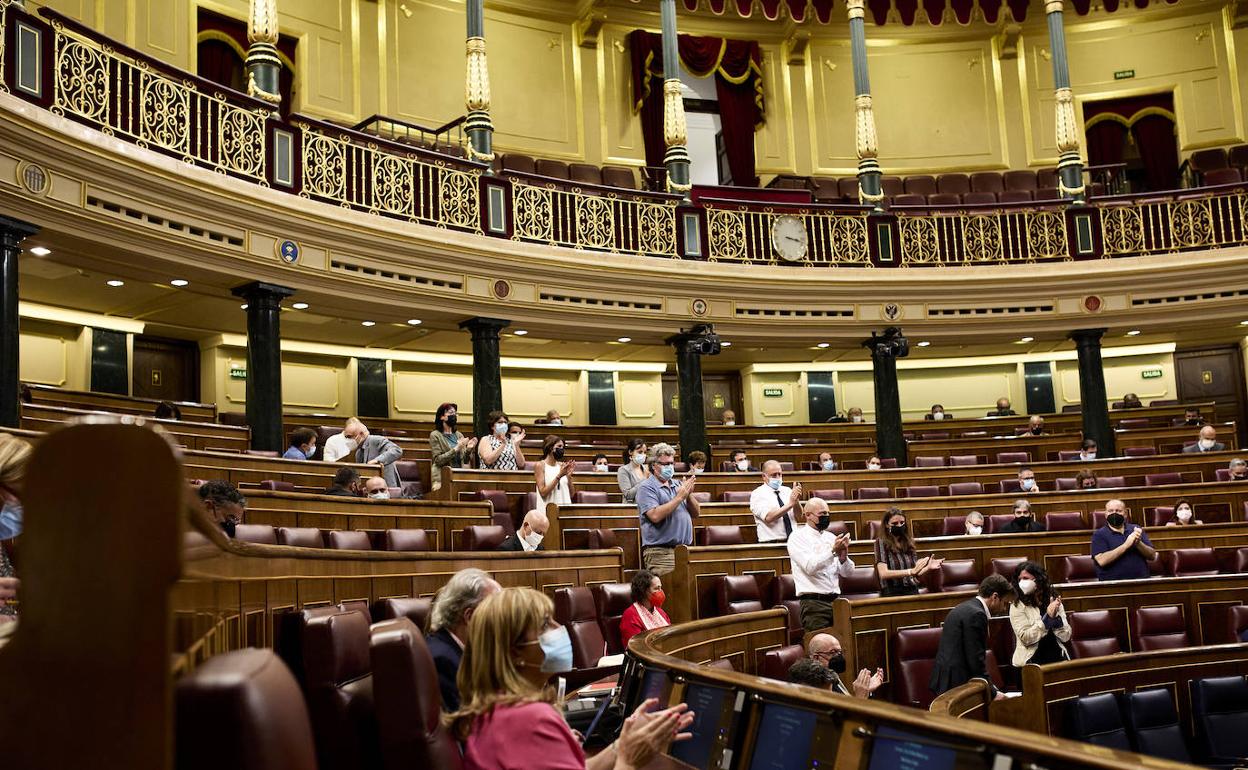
238 373
1124 74
1150 374
773 392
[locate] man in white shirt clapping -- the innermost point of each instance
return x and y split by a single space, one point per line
819 559
776 508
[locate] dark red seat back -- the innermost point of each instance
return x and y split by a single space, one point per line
574 609
256 533
277 486
349 540
337 680
406 540
1063 521
603 538
738 594
957 575
479 537
1161 628
775 664
610 601
414 609
1093 633
409 706
860 584
914 656
303 537
722 534
1190 562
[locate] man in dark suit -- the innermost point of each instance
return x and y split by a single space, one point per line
1208 442
529 536
346 483
964 637
448 627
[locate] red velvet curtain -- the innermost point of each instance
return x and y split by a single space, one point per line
906 10
1154 136
738 87
1150 119
1106 142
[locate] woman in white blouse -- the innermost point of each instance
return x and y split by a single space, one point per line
552 475
1038 618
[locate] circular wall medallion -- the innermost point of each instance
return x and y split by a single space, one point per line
698 307
502 289
891 311
33 178
288 251
1092 304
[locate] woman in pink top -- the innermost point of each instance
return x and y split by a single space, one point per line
508 722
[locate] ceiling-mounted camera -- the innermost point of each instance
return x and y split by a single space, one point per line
892 342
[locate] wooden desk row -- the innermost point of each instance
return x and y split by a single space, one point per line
192 435
110 402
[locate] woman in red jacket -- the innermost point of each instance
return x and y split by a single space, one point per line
646 611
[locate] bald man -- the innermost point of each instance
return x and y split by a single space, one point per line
825 649
529 536
1208 442
776 508
818 560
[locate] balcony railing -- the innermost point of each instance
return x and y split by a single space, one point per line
415 174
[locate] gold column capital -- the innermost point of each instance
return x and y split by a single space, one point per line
864 128
675 129
262 22
856 9
1052 6
477 81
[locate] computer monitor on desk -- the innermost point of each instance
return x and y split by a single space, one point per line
791 736
716 711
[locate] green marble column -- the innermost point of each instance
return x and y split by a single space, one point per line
264 68
487 374
478 126
264 363
1092 391
675 129
1069 165
869 188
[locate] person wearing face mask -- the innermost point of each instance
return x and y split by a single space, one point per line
1121 550
1035 425
302 444
224 504
337 447
1086 480
1027 481
634 470
873 464
854 414
346 483
553 418
375 488
529 536
1192 418
449 620
974 523
697 462
501 451
1038 618
818 560
14 454
1087 450
824 650
1131 401
646 611
553 475
729 417
896 562
601 464
1183 516
964 638
1003 409
826 463
775 506
666 510
937 413
1024 520
375 450
740 462
509 718
1238 470
1207 442
448 448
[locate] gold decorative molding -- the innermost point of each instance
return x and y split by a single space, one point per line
675 129
856 9
865 138
1066 125
477 81
262 22
1052 6
255 90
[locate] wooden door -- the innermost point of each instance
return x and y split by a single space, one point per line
720 391
1213 374
166 369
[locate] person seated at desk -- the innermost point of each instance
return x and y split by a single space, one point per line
854 414
1183 516
873 464
775 506
824 650
553 418
1087 450
302 444
1038 618
449 620
1238 469
1003 409
375 488
508 718
601 464
1086 480
167 410
964 638
974 523
1027 480
1207 442
529 536
1035 425
646 611
375 450
223 503
1192 418
937 413
728 417
346 483
826 463
741 462
634 470
697 461
1131 401
1023 520
1120 549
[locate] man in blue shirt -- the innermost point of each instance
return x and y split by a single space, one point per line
302 444
1121 550
666 511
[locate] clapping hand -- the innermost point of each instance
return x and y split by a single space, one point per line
566 469
686 486
1135 536
935 562
842 543
645 735
1055 606
867 682
921 564
796 495
472 442
519 437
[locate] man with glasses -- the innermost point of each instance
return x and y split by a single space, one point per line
666 510
825 649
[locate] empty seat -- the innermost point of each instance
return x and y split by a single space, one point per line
828 494
871 493
891 186
1221 176
1220 714
1191 562
1047 194
914 657
1064 484
1137 451
349 540
406 540
936 436
479 537
987 182
575 610
1064 455
610 601
737 594
1237 622
1157 517
409 706
701 497
910 199
919 491
277 486
1096 719
619 176
828 191
590 497
979 199
1021 181
1237 156
303 537
1133 423
1209 160
586 173
1010 485
1154 725
734 496
602 538
964 459
953 184
1160 479
1063 521
722 534
927 461
1015 196
555 169
1013 457
1005 567
848 189
522 163
1161 628
957 575
1111 482
966 488
337 678
775 664
255 533
414 609
1079 569
1046 177
953 525
996 522
1093 633
861 583
408 472
242 710
921 185
782 592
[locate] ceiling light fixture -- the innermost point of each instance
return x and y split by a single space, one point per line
822 345
1133 333
1027 339
723 344
243 306
1243 323
625 339
300 306
924 344
179 282
413 322
40 251
115 283
368 323
520 332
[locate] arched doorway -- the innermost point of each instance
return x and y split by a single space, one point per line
1139 132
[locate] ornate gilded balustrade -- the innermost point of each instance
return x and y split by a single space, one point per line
58 64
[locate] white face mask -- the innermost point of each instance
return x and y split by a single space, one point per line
1089 455
1183 514
856 418
696 471
938 415
829 465
383 494
1027 484
555 422
730 422
602 467
639 459
534 539
1028 587
500 428
873 466
1206 443
974 529
743 465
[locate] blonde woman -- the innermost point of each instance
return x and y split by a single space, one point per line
508 720
14 453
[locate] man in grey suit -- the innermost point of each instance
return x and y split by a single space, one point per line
964 637
1208 442
375 450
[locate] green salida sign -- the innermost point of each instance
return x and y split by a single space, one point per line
1150 374
238 372
773 392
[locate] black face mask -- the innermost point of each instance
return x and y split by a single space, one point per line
825 521
1037 431
837 663
558 453
1022 521
898 530
450 421
228 525
1116 520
